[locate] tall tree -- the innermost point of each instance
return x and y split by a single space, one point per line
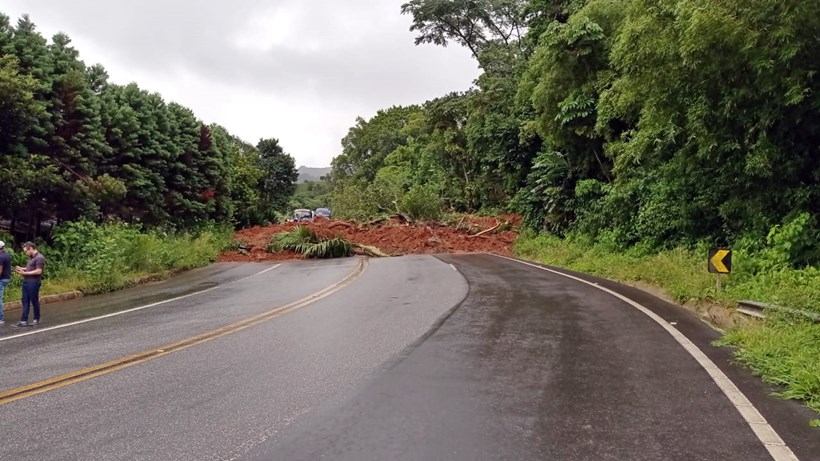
475 24
215 164
77 144
244 177
279 182
34 59
369 142
138 134
19 116
184 179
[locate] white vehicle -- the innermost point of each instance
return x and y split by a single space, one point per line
301 214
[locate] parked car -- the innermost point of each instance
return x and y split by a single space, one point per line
323 212
301 214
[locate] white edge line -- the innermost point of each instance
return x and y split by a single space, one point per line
775 445
114 314
454 267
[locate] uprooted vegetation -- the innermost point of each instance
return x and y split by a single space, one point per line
305 241
384 237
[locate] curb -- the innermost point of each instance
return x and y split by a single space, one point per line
48 299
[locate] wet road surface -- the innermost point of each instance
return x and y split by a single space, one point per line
532 366
410 360
193 281
219 399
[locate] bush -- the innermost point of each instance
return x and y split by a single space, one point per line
421 202
101 258
354 201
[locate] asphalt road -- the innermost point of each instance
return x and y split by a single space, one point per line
410 359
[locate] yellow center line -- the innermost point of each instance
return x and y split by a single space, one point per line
135 359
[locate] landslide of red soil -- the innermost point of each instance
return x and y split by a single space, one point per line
391 237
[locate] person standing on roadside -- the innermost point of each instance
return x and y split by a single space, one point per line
32 278
5 275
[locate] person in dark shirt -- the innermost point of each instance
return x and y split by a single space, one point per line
32 278
5 275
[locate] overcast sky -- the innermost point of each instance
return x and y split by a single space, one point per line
297 70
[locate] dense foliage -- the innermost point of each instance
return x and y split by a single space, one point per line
660 123
74 146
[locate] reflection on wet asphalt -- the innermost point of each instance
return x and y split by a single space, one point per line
221 398
530 366
408 362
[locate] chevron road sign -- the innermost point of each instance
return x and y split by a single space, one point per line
720 261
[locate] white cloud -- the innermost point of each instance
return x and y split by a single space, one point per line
300 71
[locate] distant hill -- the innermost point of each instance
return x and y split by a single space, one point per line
311 174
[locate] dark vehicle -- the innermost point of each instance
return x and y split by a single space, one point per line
323 212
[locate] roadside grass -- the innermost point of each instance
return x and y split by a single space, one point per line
784 350
101 258
783 353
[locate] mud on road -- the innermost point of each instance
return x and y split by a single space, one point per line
471 234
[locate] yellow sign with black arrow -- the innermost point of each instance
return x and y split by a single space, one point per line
720 261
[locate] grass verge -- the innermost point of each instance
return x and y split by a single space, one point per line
783 351
97 259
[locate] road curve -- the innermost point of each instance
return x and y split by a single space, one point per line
465 357
219 399
533 365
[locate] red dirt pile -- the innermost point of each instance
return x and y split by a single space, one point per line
472 234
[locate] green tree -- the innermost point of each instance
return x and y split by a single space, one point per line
244 177
19 115
28 177
75 146
77 143
563 82
369 142
721 101
18 110
215 165
138 135
312 195
279 181
475 24
540 14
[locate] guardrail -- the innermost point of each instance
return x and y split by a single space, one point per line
757 309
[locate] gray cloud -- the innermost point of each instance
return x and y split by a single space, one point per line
163 36
356 53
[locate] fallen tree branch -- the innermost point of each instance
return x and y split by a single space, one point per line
403 218
375 221
460 221
371 250
485 231
336 224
